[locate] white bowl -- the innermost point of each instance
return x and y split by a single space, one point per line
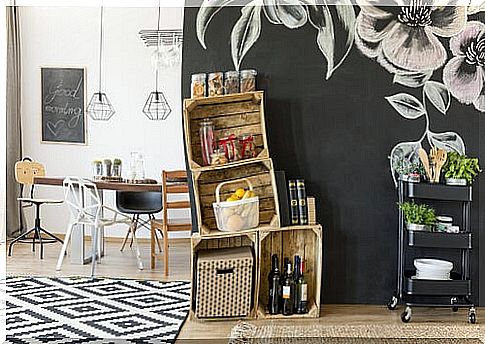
428 264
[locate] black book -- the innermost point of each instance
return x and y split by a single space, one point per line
293 202
281 186
302 206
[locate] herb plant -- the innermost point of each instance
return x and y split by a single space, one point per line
419 214
461 167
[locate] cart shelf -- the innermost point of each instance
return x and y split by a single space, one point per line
439 192
441 240
453 287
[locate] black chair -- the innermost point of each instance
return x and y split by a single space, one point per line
137 204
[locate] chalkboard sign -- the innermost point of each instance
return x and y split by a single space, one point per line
63 105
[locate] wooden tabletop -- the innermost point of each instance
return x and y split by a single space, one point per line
118 186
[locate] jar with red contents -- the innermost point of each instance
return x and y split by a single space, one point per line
247 148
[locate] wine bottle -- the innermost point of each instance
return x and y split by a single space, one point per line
301 290
296 274
288 288
274 286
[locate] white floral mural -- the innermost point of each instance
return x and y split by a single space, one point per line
405 38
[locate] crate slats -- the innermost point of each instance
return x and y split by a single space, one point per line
236 114
259 172
305 241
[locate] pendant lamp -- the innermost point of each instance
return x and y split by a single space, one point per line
156 107
99 107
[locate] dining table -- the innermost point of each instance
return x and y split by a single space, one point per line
78 253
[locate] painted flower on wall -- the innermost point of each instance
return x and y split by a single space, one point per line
405 38
464 74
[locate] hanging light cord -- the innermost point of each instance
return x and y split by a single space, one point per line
158 49
100 47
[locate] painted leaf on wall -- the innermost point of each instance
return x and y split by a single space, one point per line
407 105
407 151
286 12
449 141
412 79
334 21
438 95
246 31
207 11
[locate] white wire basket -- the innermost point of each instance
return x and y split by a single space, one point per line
236 215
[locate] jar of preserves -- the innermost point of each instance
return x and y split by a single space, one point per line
218 157
231 82
247 148
198 86
207 142
248 80
229 146
215 83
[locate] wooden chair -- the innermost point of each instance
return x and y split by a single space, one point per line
173 182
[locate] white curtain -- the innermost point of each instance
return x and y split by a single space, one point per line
14 128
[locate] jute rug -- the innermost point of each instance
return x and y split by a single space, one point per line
429 333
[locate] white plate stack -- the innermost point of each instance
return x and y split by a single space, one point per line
432 269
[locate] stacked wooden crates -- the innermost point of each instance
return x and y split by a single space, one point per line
239 114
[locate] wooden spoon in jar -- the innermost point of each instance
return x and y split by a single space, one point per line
423 156
440 159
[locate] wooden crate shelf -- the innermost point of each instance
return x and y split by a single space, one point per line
237 114
229 240
305 241
261 174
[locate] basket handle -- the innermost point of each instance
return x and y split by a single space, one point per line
218 188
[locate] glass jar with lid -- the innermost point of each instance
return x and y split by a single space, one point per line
198 86
231 82
207 140
248 80
215 84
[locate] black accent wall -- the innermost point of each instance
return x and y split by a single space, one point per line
337 134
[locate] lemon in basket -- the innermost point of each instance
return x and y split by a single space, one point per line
239 193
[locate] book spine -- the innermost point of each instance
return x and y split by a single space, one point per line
302 205
293 202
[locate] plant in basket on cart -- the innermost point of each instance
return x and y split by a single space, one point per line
460 169
418 217
409 171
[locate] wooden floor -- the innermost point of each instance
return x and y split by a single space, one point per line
118 264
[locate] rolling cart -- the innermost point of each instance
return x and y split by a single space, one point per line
454 293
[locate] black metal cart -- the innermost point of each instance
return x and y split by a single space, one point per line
454 293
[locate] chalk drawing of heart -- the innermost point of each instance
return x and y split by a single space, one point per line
55 127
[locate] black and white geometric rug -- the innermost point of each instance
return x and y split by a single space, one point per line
83 310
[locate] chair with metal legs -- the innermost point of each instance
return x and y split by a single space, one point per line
25 172
86 208
137 204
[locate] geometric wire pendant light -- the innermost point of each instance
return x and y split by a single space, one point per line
99 107
156 107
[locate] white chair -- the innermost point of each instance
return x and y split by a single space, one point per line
86 208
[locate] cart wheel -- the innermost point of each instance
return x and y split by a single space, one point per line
391 305
472 317
406 315
453 301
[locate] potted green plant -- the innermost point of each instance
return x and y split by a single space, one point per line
116 169
418 217
460 169
97 169
409 171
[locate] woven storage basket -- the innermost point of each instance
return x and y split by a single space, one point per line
224 282
237 215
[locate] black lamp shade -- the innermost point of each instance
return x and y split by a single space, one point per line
156 107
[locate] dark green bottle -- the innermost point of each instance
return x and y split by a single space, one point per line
274 286
301 289
287 289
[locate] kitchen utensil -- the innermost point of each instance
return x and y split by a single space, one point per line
432 162
440 160
423 156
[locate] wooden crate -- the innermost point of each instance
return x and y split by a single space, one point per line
261 175
305 241
229 240
237 114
